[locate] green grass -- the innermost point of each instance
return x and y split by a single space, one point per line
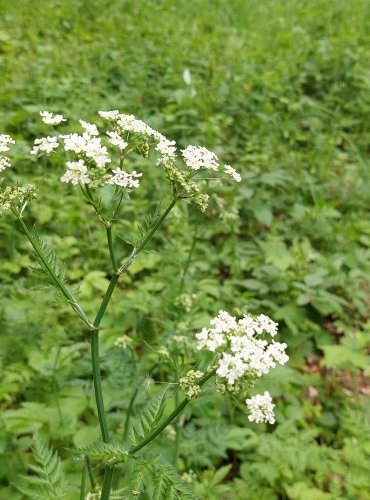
281 91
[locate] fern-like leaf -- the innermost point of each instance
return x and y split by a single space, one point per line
47 483
149 418
47 259
167 484
108 453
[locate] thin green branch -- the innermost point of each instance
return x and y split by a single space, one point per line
169 419
147 238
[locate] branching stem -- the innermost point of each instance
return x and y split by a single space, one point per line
169 419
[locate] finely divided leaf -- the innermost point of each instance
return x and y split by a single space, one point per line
47 482
149 418
167 484
109 453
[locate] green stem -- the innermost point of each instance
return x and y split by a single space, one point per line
129 411
98 386
95 358
177 438
107 484
64 291
110 246
83 481
169 419
90 472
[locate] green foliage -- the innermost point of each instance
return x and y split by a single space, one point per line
166 483
280 90
47 481
149 418
108 453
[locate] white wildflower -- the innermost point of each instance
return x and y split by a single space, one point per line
74 142
197 157
125 179
224 322
116 140
4 163
265 324
167 149
4 141
90 128
230 367
76 173
210 339
128 123
232 173
261 408
44 145
277 352
87 145
51 119
110 115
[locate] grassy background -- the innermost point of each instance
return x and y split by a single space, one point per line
281 91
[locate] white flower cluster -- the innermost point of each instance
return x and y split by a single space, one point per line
116 140
244 349
88 145
4 141
93 163
51 119
232 174
76 173
44 145
125 179
198 157
261 409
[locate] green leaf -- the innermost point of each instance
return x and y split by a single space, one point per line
167 484
108 453
149 418
47 483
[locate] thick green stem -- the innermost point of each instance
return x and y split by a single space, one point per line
107 484
95 358
97 385
110 246
169 419
64 291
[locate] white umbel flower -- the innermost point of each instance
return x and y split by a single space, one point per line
197 157
230 367
4 141
87 145
129 123
110 115
76 173
116 140
249 353
261 409
90 128
44 145
4 163
232 173
125 179
51 119
168 151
